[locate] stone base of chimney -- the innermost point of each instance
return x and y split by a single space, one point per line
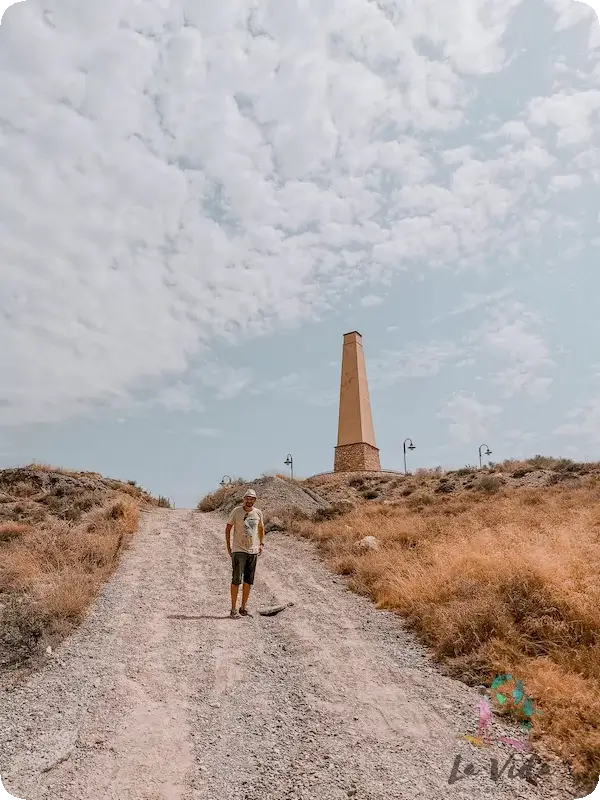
356 458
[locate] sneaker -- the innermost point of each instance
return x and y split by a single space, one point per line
233 613
245 613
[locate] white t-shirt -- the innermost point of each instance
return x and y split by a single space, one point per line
246 525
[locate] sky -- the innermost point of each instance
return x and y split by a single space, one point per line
199 199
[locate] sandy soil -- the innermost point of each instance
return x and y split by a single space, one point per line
160 696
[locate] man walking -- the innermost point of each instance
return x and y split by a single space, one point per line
248 532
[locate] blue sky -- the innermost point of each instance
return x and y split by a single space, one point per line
199 200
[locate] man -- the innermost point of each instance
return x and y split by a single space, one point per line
248 532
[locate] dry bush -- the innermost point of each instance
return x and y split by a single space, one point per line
215 500
52 572
12 530
57 547
494 583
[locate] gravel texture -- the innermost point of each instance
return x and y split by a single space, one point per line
159 695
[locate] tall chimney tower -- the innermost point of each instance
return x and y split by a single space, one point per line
356 450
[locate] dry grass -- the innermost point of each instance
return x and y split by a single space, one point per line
61 533
216 499
494 581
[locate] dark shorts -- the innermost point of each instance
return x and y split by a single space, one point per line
244 565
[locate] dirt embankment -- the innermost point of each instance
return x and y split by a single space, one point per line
281 500
60 536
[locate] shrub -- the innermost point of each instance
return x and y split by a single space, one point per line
12 530
327 513
370 494
420 500
489 484
520 473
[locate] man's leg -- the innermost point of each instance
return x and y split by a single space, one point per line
245 595
249 570
236 578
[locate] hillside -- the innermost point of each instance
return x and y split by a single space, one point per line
496 570
60 537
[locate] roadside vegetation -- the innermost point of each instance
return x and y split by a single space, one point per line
494 579
61 534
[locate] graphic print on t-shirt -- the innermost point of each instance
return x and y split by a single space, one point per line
250 529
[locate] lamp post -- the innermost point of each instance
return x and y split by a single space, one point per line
410 447
289 462
225 482
488 452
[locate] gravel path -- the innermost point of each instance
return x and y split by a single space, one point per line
160 696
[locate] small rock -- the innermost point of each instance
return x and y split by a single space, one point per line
369 543
48 651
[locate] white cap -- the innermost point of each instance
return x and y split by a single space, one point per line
250 493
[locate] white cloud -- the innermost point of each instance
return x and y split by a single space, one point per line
469 419
573 115
474 300
417 360
178 397
584 422
371 301
209 433
511 338
224 381
182 175
566 182
300 387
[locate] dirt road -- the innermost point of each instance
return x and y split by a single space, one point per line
160 696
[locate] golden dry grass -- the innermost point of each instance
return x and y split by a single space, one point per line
216 499
494 581
59 541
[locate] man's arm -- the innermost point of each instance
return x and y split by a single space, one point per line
228 528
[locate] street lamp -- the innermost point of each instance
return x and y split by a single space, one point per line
410 447
225 482
289 462
488 452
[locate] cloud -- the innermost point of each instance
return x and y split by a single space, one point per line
225 381
417 360
371 301
511 337
566 182
182 176
474 300
209 433
571 114
469 419
178 397
582 422
300 387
